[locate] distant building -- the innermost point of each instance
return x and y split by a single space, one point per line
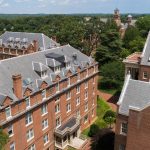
47 98
13 44
123 26
132 125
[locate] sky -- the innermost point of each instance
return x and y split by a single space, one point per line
73 6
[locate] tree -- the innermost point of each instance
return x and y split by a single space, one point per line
3 139
131 34
103 140
110 117
93 130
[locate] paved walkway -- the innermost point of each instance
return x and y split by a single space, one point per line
110 99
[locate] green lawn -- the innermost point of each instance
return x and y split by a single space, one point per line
102 107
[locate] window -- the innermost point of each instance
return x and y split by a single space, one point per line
45 124
93 101
93 80
68 65
32 147
78 77
10 130
77 89
68 95
122 147
27 102
86 84
30 134
58 122
45 139
12 146
93 90
94 69
78 113
57 108
78 101
44 94
86 107
44 74
57 69
124 127
85 95
57 99
85 118
44 109
57 87
68 84
145 75
92 112
68 107
28 119
8 112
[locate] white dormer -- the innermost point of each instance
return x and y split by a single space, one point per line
68 65
57 69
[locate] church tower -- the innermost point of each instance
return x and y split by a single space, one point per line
117 17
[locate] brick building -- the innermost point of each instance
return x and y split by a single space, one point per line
47 98
13 44
132 125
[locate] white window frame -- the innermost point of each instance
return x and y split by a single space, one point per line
77 101
27 99
30 134
124 129
58 120
12 146
77 89
68 107
68 95
68 82
32 147
85 119
86 84
78 113
57 69
57 108
8 112
57 99
145 74
10 128
43 74
68 65
43 93
28 119
86 107
86 95
44 109
46 136
45 124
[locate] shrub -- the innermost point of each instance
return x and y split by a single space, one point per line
93 130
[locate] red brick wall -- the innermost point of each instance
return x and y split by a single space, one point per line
20 128
144 69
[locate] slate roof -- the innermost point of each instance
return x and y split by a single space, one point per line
24 65
25 39
146 52
134 95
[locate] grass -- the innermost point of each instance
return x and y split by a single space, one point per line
102 107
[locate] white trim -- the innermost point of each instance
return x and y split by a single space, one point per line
145 46
124 89
43 41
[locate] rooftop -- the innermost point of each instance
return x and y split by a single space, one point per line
134 95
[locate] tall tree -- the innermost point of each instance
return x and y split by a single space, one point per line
3 139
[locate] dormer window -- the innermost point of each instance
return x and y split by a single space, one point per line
27 102
44 94
8 112
43 74
57 69
67 65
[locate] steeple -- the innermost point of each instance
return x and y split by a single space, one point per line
117 17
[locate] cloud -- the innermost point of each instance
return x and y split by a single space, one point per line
20 1
3 4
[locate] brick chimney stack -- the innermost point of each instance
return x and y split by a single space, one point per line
17 85
35 45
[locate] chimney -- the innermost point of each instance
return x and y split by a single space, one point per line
17 85
35 45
